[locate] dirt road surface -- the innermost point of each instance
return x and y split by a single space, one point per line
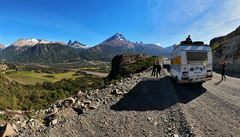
155 107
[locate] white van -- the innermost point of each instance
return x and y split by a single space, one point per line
191 62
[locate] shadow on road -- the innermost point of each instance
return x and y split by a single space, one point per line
156 94
189 92
217 83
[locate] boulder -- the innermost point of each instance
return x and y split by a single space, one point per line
117 92
50 119
6 130
69 101
126 64
78 110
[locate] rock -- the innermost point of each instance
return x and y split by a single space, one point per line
54 122
92 106
88 102
78 110
48 120
175 135
80 94
69 101
22 124
15 127
117 92
54 109
6 130
149 118
155 124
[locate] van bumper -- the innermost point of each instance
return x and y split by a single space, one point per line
195 80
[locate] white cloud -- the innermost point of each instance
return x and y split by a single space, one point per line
173 20
177 10
217 22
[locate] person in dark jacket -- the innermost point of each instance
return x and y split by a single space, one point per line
158 66
154 69
223 70
188 38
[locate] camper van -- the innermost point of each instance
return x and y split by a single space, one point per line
191 62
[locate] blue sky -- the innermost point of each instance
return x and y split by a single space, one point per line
91 21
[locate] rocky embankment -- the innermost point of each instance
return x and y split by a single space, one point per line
96 113
227 48
140 106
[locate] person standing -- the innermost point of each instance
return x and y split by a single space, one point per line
154 69
158 69
223 70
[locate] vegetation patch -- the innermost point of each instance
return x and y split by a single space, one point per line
32 77
3 117
16 96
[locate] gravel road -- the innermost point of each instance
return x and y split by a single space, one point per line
154 107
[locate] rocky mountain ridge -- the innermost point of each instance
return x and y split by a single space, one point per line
105 51
118 44
76 44
29 42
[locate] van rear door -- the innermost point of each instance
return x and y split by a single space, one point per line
196 61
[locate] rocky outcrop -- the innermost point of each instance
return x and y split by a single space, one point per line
77 45
227 48
126 64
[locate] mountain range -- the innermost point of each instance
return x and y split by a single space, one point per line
44 51
118 44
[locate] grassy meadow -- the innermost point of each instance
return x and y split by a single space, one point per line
32 77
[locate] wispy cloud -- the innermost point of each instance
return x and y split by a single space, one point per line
203 19
217 22
173 11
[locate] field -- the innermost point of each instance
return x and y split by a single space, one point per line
30 74
32 77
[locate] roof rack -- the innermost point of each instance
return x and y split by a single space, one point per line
195 43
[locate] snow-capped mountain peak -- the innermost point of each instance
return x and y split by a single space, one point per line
117 36
76 44
29 42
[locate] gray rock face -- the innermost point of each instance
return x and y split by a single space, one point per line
227 48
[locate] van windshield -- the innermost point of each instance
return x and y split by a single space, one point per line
197 56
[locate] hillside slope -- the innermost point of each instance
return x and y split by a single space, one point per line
227 48
49 53
41 53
